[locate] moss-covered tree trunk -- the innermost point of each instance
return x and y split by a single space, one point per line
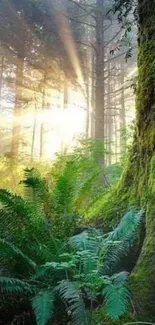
138 180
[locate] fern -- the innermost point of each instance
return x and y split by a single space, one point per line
85 190
43 306
37 191
53 267
15 204
92 264
128 225
71 296
11 286
87 240
117 245
79 242
112 253
18 253
116 294
23 218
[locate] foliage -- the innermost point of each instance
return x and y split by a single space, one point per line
84 272
45 268
60 195
116 294
71 296
80 177
42 305
11 172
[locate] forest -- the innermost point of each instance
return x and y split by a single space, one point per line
77 162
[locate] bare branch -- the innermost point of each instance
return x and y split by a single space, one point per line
83 8
79 21
113 38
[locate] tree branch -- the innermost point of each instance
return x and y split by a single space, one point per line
79 21
81 7
117 56
113 38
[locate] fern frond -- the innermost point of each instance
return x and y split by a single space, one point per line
63 191
128 225
22 215
15 204
71 296
116 295
13 286
79 242
43 306
51 267
89 241
112 253
83 193
18 253
118 244
36 191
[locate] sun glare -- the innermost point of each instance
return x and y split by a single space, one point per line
61 125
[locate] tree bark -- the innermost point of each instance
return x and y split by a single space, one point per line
109 118
42 124
34 130
138 182
122 111
88 109
99 87
93 96
18 107
1 77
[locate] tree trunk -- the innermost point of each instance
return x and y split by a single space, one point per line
88 109
99 87
34 131
122 111
42 124
139 179
137 184
109 118
65 95
93 96
18 107
1 77
115 135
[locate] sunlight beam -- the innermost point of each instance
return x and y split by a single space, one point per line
68 42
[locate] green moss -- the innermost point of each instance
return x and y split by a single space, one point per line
137 184
143 279
100 317
107 210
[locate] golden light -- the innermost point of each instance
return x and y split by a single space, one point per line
67 39
61 126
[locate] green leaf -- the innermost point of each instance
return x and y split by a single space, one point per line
18 253
43 306
128 225
116 295
70 295
12 285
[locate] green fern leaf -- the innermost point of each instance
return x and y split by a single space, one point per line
71 296
128 226
16 251
43 306
116 295
119 242
11 285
